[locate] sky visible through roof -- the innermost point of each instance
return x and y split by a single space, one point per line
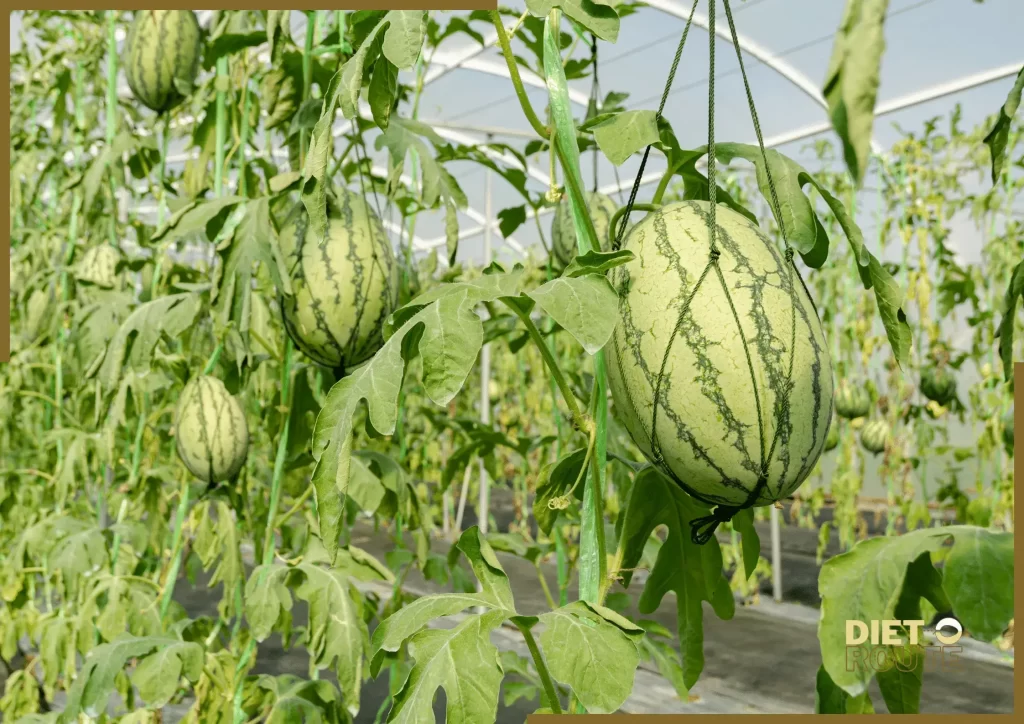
929 44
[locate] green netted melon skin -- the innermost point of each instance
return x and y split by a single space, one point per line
563 232
344 289
852 401
874 435
707 421
938 385
210 430
162 52
98 266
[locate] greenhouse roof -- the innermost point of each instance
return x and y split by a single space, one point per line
939 53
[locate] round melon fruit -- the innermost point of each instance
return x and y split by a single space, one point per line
852 401
342 290
938 384
98 266
210 430
161 56
563 232
874 436
832 439
711 398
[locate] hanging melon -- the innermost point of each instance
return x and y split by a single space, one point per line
938 384
874 436
211 433
343 289
162 52
832 439
852 400
723 417
98 266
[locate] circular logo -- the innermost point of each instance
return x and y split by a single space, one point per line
948 623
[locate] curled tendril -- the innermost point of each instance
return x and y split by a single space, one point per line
559 503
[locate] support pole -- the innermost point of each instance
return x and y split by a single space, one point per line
484 503
776 556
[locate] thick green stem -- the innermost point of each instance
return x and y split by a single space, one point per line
307 76
659 192
517 81
172 573
550 693
268 536
222 125
593 557
243 142
112 115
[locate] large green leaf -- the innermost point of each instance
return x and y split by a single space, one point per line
585 306
692 571
444 328
977 576
253 242
336 633
1014 295
95 681
403 35
495 593
594 651
864 584
438 188
157 675
851 83
797 216
463 662
622 134
998 138
137 337
597 16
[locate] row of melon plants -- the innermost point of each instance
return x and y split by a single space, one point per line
242 410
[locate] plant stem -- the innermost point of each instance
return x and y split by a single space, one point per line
307 76
550 692
172 573
517 81
218 165
299 502
268 536
613 224
243 187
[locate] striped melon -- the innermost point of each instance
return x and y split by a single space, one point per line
938 384
874 436
563 233
98 266
832 439
343 290
711 396
210 429
161 56
852 400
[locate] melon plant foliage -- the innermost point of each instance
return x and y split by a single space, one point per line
236 380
